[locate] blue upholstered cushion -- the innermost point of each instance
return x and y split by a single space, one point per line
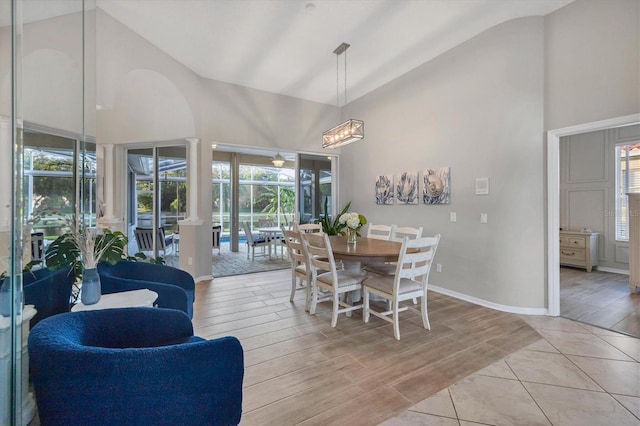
49 291
175 287
133 366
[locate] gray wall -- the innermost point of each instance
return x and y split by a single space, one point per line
587 189
479 110
592 62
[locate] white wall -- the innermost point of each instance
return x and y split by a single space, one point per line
592 67
478 109
146 96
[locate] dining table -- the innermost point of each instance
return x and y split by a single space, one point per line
364 251
272 234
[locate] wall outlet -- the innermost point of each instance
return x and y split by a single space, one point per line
452 216
190 261
438 267
483 218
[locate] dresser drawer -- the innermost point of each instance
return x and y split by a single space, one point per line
577 242
564 241
571 255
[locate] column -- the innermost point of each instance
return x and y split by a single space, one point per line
108 220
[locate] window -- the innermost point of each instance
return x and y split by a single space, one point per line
627 180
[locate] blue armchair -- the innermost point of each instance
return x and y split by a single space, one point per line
175 287
133 366
49 291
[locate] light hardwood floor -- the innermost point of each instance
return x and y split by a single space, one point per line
601 299
299 370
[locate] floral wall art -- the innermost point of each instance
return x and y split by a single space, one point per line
435 188
384 189
407 188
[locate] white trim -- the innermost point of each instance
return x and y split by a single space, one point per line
553 198
487 304
203 278
613 270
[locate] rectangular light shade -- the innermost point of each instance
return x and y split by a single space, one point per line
344 133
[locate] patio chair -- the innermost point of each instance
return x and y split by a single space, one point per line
144 239
252 243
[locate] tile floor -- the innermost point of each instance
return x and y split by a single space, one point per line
576 375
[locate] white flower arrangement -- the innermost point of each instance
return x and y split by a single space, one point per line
352 220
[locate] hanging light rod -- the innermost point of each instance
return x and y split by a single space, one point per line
350 130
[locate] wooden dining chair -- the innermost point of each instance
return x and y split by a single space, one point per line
306 228
409 282
405 231
300 270
326 276
380 232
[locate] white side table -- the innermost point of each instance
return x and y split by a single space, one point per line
28 403
143 298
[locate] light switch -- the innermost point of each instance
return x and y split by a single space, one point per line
483 218
452 216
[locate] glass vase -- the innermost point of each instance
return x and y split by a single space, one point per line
351 235
91 289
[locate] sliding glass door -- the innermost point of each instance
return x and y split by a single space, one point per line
315 187
157 198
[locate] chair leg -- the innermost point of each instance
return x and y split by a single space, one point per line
314 298
247 251
396 320
294 284
425 314
365 303
336 305
415 300
307 299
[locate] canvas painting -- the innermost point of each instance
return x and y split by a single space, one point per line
435 188
384 189
407 188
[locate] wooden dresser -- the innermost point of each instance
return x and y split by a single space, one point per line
579 249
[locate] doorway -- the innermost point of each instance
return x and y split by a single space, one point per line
553 199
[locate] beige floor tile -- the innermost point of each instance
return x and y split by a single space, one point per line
619 377
466 423
628 345
412 418
553 323
565 406
597 330
583 344
498 369
495 401
541 346
631 403
550 369
438 404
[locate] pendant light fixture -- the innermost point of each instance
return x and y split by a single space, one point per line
278 160
350 130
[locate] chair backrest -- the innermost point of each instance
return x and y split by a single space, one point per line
216 236
406 231
320 254
380 232
247 232
414 262
296 249
144 238
37 246
306 228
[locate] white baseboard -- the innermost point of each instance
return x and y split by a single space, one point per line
204 278
487 304
613 270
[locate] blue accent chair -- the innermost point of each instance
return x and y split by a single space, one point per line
175 287
49 291
138 366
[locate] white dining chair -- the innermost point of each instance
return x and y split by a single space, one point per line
405 231
410 281
380 232
306 228
300 270
326 276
